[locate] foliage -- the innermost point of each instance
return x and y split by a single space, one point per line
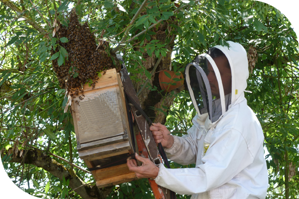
32 102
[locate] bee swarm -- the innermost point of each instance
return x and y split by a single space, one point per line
84 59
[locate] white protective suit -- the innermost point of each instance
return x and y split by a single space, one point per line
233 166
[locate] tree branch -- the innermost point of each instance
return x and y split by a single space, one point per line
4 54
12 6
49 11
40 159
154 69
129 26
28 100
73 165
142 32
133 20
152 73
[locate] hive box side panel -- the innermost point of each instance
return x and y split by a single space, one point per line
98 115
106 141
105 150
113 175
123 110
102 113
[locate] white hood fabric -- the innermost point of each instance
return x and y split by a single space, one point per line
228 154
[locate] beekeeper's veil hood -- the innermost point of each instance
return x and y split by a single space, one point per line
218 79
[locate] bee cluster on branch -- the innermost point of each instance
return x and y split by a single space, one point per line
85 60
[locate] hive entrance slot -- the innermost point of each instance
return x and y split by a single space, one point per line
111 161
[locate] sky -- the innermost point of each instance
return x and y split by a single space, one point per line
287 7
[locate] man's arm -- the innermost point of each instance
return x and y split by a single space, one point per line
225 158
182 150
147 170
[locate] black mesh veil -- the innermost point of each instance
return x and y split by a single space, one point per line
205 87
199 88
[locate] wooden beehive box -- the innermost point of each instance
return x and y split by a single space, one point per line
102 130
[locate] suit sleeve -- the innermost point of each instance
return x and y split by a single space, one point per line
184 149
224 159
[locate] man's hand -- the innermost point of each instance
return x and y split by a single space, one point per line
147 170
162 135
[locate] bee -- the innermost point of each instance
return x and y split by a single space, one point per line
76 92
77 102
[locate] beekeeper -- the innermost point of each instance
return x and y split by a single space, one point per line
226 139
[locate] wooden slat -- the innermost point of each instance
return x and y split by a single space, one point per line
76 126
105 150
111 175
91 158
108 78
116 180
111 172
101 142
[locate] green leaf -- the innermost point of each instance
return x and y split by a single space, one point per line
12 63
108 4
201 38
29 190
4 78
60 91
42 49
63 6
35 183
166 15
52 11
64 102
259 26
49 132
148 74
163 52
53 41
43 57
55 56
157 53
60 59
165 7
63 51
141 20
146 24
47 187
152 19
167 74
75 75
13 40
176 79
64 40
64 193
